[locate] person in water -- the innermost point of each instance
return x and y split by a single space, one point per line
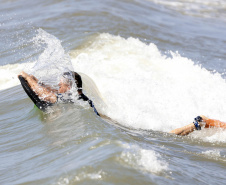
63 94
51 95
199 121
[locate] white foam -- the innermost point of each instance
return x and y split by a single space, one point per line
207 8
143 159
82 176
212 153
8 74
145 89
212 135
93 176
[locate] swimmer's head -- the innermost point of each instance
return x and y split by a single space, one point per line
66 79
70 77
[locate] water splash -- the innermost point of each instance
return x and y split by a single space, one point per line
48 68
53 61
143 159
146 89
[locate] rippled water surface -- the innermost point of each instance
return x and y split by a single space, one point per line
149 65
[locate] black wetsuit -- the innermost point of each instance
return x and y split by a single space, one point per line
78 81
61 97
85 98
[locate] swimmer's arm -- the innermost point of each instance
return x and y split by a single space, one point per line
185 130
41 91
25 75
44 93
213 123
49 88
191 127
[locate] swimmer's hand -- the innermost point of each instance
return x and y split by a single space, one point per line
23 74
204 119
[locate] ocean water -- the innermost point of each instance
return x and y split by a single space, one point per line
149 65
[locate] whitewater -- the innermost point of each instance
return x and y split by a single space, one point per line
150 66
142 88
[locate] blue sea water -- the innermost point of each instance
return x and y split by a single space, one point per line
150 65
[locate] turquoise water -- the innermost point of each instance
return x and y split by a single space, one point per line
151 66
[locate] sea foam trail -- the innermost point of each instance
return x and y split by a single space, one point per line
207 9
146 89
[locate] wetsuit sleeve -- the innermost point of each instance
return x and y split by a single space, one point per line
83 97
